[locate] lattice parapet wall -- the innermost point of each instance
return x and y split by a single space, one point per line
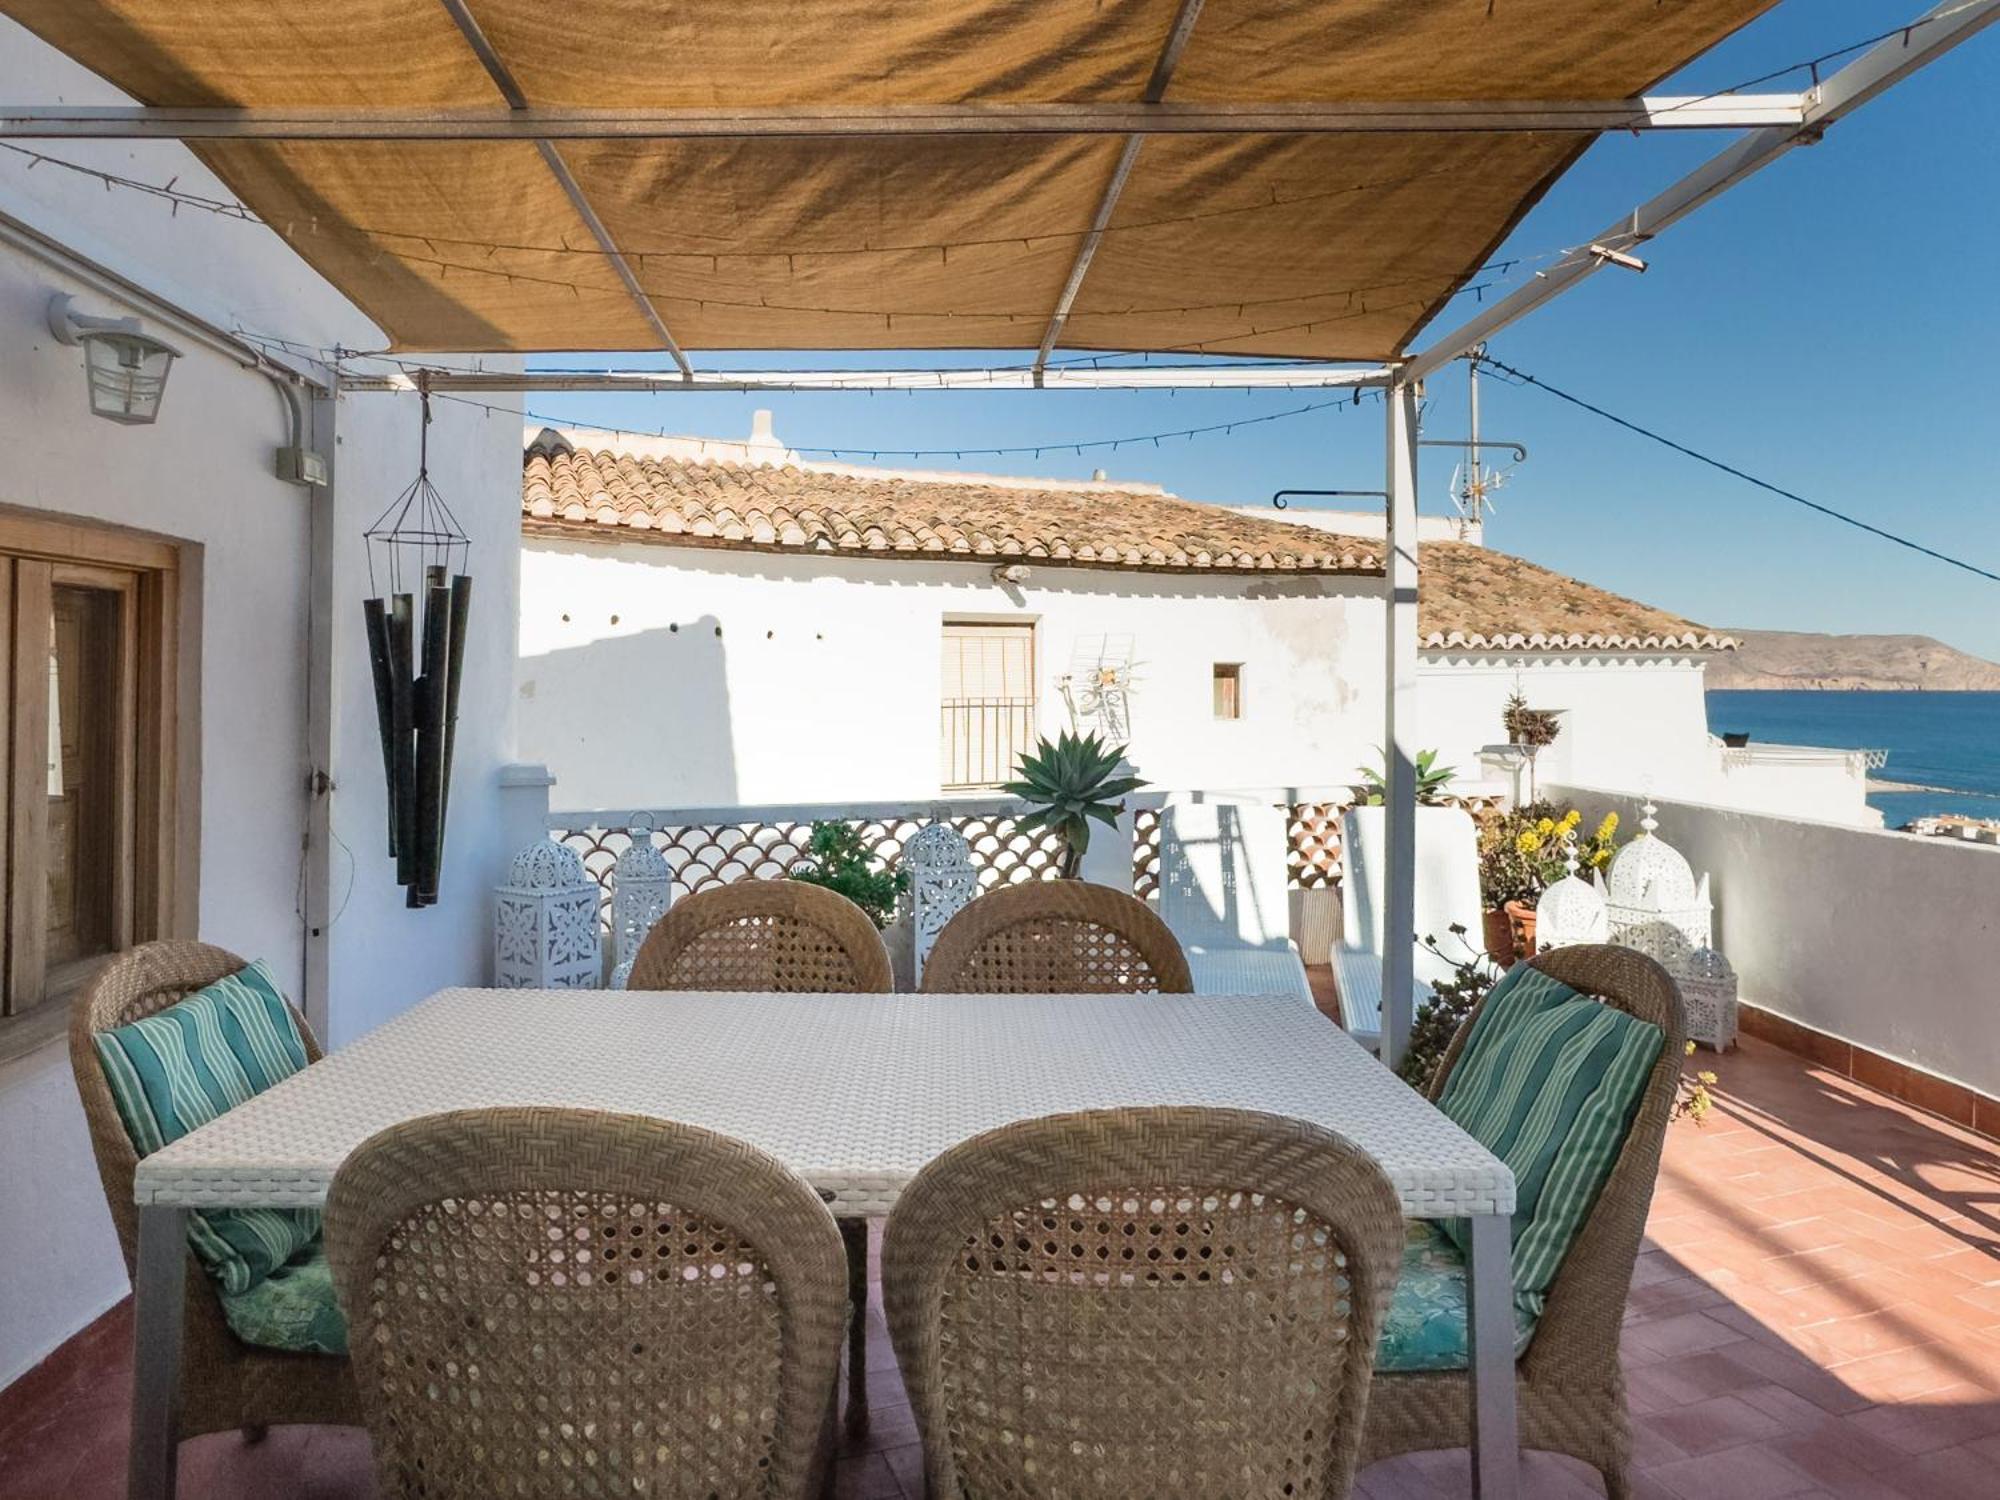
1312 851
711 854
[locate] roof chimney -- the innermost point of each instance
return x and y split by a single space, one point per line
764 445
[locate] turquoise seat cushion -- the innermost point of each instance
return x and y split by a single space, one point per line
292 1309
1549 1081
184 1066
1426 1325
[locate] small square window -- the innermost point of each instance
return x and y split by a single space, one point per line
1228 690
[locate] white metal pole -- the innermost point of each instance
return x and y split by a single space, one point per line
322 713
523 122
1399 724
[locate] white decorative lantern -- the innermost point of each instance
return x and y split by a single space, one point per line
545 922
642 887
1571 911
942 883
1708 995
1655 904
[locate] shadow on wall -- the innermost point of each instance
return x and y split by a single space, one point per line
582 710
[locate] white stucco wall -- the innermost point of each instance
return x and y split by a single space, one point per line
823 684
204 475
1889 940
385 957
1637 722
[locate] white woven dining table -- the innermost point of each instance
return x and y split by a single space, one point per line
854 1092
1248 971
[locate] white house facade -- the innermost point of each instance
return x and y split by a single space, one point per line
773 631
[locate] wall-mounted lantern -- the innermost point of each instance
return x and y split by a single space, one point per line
125 366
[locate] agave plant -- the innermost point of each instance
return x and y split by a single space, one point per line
1433 780
1070 782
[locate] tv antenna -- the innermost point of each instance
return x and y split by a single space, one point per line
1472 483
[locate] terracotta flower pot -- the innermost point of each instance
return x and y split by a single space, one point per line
1521 918
1499 934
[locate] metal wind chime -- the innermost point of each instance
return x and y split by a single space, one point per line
416 646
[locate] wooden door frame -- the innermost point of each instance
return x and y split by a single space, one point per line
156 862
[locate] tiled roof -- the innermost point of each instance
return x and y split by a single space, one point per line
824 509
1470 599
1474 599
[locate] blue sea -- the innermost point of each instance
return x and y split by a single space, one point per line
1944 748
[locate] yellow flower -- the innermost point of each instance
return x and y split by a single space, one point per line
1529 841
1609 826
1707 1078
1571 819
1546 826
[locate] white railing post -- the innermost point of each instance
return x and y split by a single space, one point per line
1399 723
524 803
1108 859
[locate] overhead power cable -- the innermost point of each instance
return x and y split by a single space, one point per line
1522 377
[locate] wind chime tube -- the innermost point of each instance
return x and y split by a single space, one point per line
431 691
403 793
376 615
461 614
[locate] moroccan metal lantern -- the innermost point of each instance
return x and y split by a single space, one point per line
642 888
416 618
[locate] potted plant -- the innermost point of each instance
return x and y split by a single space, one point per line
1433 781
838 860
1521 854
1437 1020
1534 727
1068 783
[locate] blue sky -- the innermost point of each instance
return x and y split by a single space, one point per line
1832 325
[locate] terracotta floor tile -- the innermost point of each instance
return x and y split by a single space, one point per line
1903 1375
1683 1333
1747 1473
1721 1422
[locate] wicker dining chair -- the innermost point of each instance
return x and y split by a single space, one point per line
779 936
224 1382
1142 1302
562 1303
1056 937
1571 1385
764 936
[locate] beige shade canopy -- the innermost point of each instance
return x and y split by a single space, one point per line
1331 246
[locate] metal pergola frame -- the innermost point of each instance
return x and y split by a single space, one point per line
1118 117
1775 123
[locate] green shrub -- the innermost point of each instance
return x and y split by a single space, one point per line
837 860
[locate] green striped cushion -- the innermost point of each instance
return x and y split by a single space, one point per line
181 1068
1549 1081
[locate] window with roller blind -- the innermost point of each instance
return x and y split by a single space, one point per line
986 702
88 627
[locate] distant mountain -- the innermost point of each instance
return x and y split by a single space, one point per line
1891 663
